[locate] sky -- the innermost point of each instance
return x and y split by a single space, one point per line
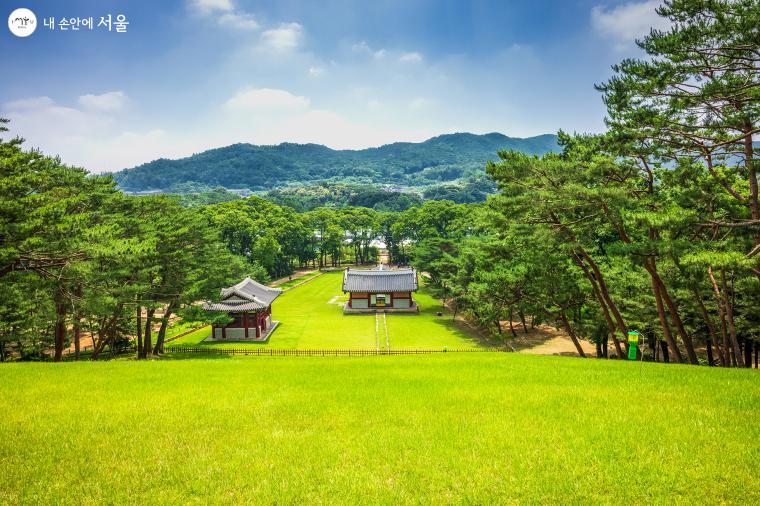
189 75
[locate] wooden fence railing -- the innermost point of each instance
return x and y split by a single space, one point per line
323 353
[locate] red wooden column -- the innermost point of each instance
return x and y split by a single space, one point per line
258 324
245 324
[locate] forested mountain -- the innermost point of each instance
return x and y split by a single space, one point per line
443 158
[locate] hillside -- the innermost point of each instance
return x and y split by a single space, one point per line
443 158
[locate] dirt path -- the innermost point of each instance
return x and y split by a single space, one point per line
295 275
546 340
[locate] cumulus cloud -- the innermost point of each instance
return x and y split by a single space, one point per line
238 21
209 6
225 13
283 38
411 57
107 102
266 99
364 48
627 22
23 104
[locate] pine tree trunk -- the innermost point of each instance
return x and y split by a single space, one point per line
723 324
147 333
522 320
606 293
602 303
60 324
139 331
511 326
665 355
651 267
664 322
77 337
159 348
712 335
748 344
737 359
571 333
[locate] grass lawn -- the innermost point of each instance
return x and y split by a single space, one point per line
311 317
483 428
287 284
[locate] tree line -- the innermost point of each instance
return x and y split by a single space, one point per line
652 226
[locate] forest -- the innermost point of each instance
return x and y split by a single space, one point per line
445 158
653 225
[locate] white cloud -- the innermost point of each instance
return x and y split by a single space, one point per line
316 71
361 47
627 22
238 21
411 57
364 48
28 103
284 38
209 6
107 102
266 99
374 105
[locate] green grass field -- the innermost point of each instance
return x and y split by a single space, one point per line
464 428
311 317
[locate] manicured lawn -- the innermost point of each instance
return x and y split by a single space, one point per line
462 428
191 338
311 317
287 284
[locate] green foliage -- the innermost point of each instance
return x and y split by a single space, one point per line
442 158
340 195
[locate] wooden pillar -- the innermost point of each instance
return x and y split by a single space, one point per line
245 324
213 331
224 332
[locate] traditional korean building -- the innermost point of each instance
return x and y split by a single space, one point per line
380 289
250 305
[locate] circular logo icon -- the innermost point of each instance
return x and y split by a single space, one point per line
22 22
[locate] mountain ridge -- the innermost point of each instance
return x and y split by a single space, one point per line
443 158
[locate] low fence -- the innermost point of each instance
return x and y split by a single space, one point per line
273 352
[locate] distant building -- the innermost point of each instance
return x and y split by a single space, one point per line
380 289
250 305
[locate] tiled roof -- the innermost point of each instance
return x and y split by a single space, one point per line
233 306
248 295
380 281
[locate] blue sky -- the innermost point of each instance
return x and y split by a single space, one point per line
189 75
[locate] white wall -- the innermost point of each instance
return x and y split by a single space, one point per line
233 334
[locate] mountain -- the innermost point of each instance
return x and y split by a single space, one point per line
444 158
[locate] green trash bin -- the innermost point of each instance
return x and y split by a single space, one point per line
633 344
